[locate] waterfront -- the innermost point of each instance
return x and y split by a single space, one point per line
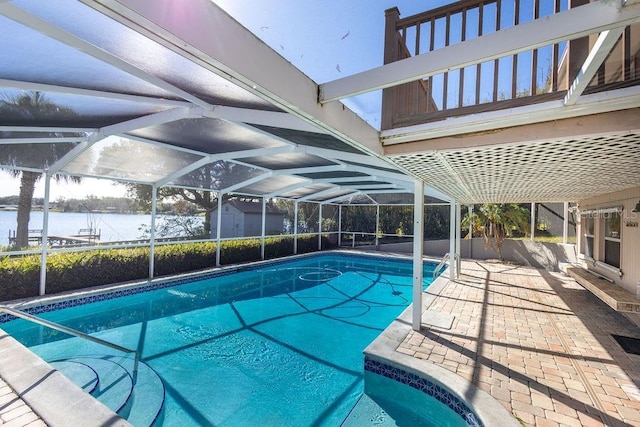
113 227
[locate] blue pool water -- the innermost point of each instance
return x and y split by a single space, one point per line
276 345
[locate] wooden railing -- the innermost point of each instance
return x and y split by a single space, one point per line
534 76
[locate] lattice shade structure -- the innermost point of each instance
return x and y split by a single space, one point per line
549 171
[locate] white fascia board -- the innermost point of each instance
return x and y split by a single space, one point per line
139 99
571 24
602 102
598 54
261 117
211 38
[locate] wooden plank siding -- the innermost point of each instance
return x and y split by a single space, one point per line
529 77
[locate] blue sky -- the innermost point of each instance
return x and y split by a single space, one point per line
326 39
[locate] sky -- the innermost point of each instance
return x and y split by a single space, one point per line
10 186
325 39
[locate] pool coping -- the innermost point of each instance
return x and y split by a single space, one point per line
54 398
383 350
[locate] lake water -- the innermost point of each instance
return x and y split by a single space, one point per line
113 227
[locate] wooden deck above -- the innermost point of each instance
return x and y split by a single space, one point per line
529 77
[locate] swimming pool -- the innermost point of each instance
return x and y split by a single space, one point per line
276 344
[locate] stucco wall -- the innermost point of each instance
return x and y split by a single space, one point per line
536 254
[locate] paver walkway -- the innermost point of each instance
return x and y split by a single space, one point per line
537 342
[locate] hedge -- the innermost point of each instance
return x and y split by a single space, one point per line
20 276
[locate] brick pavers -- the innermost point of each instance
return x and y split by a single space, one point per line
538 342
14 412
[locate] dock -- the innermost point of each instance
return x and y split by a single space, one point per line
85 237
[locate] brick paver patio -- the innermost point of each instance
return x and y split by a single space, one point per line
538 343
14 412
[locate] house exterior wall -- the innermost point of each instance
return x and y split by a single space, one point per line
550 256
629 237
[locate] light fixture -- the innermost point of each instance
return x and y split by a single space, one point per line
637 208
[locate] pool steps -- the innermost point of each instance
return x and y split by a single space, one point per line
110 379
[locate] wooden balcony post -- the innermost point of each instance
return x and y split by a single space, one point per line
391 54
578 49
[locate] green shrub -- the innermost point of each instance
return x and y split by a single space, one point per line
20 276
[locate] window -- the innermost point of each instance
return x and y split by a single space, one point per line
612 239
589 235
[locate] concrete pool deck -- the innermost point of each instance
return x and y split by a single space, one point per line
536 341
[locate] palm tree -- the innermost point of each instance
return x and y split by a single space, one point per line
28 108
496 222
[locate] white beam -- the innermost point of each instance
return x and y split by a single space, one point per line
606 41
41 87
53 139
185 170
19 15
247 182
571 24
144 121
254 152
205 37
346 156
261 117
45 129
342 196
149 120
284 190
364 188
602 102
315 169
321 193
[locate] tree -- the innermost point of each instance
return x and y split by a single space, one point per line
496 222
32 107
160 161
